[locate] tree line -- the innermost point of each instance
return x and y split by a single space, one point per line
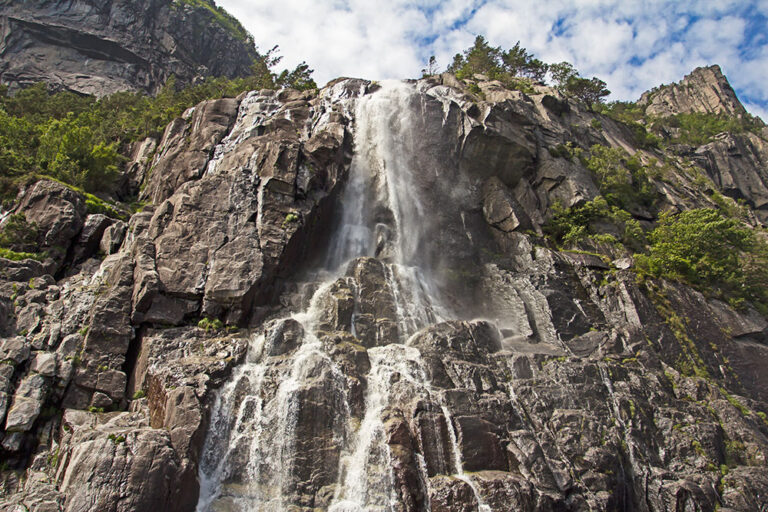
517 69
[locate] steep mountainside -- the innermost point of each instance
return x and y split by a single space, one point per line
424 295
705 90
98 47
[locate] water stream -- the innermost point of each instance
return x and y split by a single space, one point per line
253 451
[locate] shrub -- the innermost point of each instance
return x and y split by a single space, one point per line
703 248
569 225
622 178
210 324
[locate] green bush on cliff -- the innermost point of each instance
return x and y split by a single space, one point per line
622 178
17 234
570 225
715 253
210 324
517 69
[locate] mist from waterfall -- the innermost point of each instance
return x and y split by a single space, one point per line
247 461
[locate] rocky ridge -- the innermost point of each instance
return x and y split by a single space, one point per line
93 47
571 393
705 90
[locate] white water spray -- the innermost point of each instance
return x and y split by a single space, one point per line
247 462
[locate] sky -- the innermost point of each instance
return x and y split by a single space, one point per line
633 45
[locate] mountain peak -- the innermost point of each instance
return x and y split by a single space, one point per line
705 90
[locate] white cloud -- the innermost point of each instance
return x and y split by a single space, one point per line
633 46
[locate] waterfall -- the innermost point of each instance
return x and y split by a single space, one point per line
285 430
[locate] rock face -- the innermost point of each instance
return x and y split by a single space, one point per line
705 90
92 47
340 300
738 165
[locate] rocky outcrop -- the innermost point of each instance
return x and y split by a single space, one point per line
705 90
738 165
232 211
59 214
341 299
92 47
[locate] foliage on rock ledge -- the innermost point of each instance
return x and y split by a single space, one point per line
77 139
717 254
517 69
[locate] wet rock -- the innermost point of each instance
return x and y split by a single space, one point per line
480 444
434 442
338 306
282 336
169 310
450 494
376 321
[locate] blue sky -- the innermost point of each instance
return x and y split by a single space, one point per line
633 45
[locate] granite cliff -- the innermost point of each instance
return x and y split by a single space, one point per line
345 299
96 47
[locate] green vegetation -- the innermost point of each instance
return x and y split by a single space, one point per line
699 128
591 91
139 394
53 458
18 239
17 234
622 178
693 128
431 68
116 438
517 69
77 139
703 248
210 324
570 225
624 184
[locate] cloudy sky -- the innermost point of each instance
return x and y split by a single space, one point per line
631 44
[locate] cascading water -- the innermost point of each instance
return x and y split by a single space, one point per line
257 455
